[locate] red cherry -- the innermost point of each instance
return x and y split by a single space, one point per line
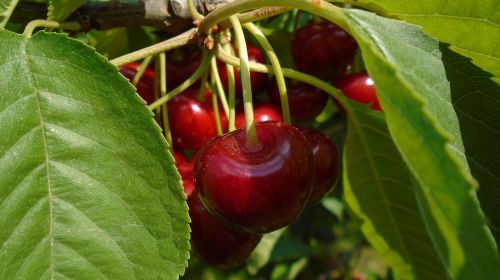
258 80
326 155
214 242
181 64
359 87
183 164
192 122
323 49
305 101
262 112
145 86
256 189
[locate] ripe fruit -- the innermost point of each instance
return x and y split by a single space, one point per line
192 122
359 87
305 101
145 86
326 155
215 243
256 189
185 168
262 112
258 80
323 49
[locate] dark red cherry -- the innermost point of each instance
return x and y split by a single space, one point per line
262 112
323 49
260 188
359 87
181 64
305 101
214 242
325 164
183 164
258 80
145 86
192 122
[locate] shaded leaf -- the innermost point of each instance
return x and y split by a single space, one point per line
477 101
416 99
379 189
88 189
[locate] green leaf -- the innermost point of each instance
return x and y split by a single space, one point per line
379 189
477 102
471 27
59 10
262 253
6 9
411 83
120 41
88 189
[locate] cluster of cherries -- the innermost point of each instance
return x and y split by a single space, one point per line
238 189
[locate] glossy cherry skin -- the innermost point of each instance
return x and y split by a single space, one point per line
181 64
305 101
145 86
262 112
326 156
359 87
192 122
185 168
323 49
256 189
214 242
258 80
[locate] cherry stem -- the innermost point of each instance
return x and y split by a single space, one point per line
186 84
193 11
289 73
256 15
163 91
323 9
231 86
218 84
156 88
251 131
32 25
141 69
215 108
273 58
203 86
172 43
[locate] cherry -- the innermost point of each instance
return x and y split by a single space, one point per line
262 112
185 168
304 101
256 188
326 155
359 87
192 122
145 86
214 242
258 80
181 64
323 49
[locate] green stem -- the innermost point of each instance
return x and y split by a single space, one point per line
172 43
30 27
186 84
215 106
289 73
232 94
256 15
250 129
193 11
218 84
163 91
141 69
324 9
261 38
